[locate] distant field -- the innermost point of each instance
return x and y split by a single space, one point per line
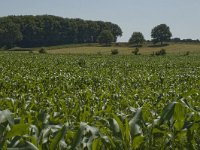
95 49
123 48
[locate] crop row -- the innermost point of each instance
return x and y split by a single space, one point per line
99 102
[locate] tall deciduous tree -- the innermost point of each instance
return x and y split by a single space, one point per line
137 38
9 34
161 33
46 30
106 37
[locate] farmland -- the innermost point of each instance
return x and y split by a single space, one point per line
123 48
172 48
55 101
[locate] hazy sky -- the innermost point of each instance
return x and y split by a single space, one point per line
183 16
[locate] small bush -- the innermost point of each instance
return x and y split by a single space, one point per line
42 51
161 52
187 53
135 52
114 51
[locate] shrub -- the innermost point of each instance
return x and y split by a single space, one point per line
114 51
187 53
135 52
42 51
161 52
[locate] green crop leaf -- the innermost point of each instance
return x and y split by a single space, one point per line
96 144
14 141
137 141
133 123
114 125
28 146
59 136
120 124
31 146
179 116
78 137
18 130
167 112
127 131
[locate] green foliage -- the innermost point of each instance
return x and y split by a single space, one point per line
10 33
161 33
46 30
137 38
187 53
106 37
42 51
136 51
59 136
99 102
161 52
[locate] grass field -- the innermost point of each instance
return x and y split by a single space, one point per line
123 48
99 101
181 48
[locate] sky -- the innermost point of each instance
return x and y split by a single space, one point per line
182 16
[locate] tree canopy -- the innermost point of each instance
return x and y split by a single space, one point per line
106 37
161 33
137 38
9 33
45 30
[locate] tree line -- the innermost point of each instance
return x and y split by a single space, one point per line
46 30
176 40
159 34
